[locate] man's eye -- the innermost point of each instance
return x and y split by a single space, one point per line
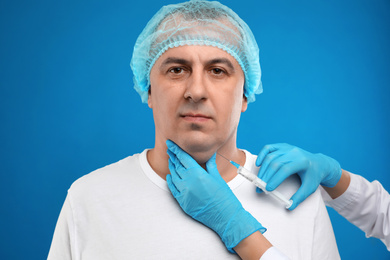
176 70
217 71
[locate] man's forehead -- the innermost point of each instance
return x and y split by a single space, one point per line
192 53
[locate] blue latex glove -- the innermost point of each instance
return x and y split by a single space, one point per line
207 198
279 161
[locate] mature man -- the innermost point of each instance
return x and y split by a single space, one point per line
196 64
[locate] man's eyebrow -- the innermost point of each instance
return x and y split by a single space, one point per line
176 60
223 61
171 60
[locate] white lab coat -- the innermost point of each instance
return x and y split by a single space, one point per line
366 205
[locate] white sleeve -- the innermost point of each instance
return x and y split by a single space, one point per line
273 254
366 205
61 245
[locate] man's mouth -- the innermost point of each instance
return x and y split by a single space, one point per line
195 118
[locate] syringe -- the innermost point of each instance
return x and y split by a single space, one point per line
252 177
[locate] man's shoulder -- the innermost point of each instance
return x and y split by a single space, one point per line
108 175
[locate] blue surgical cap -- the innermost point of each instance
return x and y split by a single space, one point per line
196 22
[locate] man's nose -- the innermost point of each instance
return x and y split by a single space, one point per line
196 89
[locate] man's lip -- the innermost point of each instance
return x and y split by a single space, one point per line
195 117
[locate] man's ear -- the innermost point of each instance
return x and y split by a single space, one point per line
150 98
244 104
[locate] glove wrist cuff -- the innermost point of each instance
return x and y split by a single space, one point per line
334 174
241 225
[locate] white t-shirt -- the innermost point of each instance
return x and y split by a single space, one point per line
126 211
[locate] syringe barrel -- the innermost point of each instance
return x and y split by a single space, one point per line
279 196
261 184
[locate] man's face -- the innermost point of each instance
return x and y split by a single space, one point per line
197 98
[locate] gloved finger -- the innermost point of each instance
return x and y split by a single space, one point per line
172 187
211 167
266 164
173 157
273 166
177 176
172 168
174 160
307 188
269 148
281 169
178 166
186 160
170 154
181 171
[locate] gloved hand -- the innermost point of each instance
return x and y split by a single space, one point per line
279 161
207 198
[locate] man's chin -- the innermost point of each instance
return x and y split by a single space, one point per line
200 150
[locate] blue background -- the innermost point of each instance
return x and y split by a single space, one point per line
67 104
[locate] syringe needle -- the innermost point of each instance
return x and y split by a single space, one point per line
234 163
223 157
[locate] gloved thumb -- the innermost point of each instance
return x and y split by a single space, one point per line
302 193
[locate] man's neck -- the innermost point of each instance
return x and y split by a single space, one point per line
158 160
